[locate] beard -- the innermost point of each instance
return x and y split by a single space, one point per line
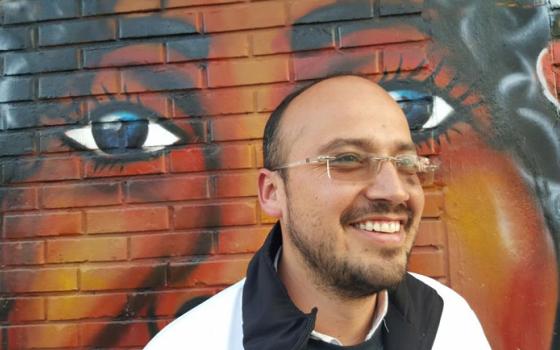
345 276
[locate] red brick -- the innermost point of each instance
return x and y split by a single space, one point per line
299 9
241 240
42 336
43 224
214 102
235 185
430 262
165 303
259 155
207 273
220 46
51 142
215 214
93 168
212 158
162 77
431 233
119 334
94 249
127 220
77 307
167 189
22 309
317 65
255 15
22 253
404 57
18 198
248 71
185 3
80 195
39 280
434 204
242 127
555 49
271 41
171 244
47 169
114 277
269 98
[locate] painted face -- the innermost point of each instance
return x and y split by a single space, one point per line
354 235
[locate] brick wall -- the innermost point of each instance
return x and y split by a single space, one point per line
104 243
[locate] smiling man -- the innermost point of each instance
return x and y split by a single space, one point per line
341 176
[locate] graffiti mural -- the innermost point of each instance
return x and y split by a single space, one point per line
130 138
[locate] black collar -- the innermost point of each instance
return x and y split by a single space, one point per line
271 321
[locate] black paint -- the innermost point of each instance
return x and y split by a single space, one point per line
42 61
63 85
77 32
31 115
342 10
400 7
16 89
311 37
191 48
17 144
14 38
146 26
38 10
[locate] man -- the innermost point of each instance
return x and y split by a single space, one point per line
341 176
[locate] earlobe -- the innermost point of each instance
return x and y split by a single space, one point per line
270 197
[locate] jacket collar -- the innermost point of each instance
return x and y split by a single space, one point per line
271 321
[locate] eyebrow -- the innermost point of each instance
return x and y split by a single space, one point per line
366 144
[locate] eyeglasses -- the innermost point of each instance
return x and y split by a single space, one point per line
364 167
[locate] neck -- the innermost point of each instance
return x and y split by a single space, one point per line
339 317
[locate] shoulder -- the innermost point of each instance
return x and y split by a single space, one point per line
214 324
459 327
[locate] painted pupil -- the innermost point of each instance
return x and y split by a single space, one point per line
127 132
416 106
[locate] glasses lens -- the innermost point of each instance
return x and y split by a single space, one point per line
348 167
355 167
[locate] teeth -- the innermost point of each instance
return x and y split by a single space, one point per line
380 226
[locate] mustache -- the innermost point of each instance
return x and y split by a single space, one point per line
379 207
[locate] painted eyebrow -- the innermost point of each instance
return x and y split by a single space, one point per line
366 144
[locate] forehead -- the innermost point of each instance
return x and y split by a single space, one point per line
339 110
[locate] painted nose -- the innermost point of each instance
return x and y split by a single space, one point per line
388 185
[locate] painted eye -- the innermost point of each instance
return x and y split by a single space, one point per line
422 110
121 127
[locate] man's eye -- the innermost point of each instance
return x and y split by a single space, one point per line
409 164
347 160
121 129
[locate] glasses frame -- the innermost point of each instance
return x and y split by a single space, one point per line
427 164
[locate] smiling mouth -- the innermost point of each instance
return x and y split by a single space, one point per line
379 226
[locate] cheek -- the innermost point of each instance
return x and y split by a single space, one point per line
501 255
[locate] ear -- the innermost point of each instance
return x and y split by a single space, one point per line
270 193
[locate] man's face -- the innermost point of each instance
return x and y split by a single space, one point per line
329 221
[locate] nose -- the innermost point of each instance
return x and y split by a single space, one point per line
387 185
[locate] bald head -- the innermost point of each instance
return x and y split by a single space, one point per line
327 106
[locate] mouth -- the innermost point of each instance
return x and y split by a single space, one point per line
379 226
384 231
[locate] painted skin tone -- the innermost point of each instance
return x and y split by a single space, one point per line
326 214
